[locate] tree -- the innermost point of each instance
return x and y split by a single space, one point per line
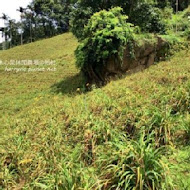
182 4
4 30
148 18
14 35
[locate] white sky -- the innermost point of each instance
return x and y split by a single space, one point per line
9 7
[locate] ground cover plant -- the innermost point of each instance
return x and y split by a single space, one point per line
56 136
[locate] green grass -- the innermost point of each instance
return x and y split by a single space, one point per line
54 136
53 48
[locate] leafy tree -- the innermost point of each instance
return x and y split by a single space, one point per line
148 18
141 12
53 13
4 31
12 33
79 18
46 18
182 4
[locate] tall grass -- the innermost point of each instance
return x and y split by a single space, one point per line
130 164
131 134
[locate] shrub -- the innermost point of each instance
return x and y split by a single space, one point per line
187 33
186 16
177 23
105 35
148 18
173 44
167 13
186 12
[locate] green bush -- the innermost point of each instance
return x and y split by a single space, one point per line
173 44
167 13
105 35
148 18
186 12
178 23
186 16
187 33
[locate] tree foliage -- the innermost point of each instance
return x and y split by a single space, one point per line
79 18
148 18
140 12
46 18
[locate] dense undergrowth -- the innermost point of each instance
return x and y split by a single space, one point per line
109 33
131 134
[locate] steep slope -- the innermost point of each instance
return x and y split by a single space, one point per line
20 84
55 136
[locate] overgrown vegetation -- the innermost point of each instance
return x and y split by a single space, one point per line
148 18
135 164
106 34
42 19
132 133
59 132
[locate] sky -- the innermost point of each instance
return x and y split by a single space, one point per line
9 7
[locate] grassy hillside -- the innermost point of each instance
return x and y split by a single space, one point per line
54 136
53 48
